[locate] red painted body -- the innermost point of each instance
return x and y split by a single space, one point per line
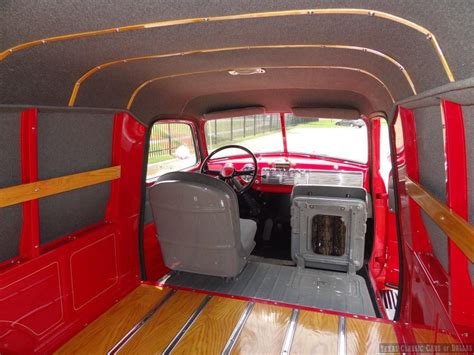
51 292
155 266
428 295
461 290
30 240
48 295
378 259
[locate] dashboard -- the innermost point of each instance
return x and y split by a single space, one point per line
280 174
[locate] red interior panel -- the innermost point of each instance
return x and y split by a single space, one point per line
99 260
48 296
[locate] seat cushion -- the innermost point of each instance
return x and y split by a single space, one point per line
248 228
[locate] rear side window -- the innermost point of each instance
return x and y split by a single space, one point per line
172 148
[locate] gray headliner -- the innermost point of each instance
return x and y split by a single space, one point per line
10 174
45 75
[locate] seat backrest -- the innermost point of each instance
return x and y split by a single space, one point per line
197 220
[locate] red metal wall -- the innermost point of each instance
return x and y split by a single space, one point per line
51 292
438 301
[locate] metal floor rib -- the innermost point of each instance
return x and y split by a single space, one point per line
305 287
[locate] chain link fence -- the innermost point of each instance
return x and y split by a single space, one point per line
231 130
166 138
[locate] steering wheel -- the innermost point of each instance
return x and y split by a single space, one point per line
229 174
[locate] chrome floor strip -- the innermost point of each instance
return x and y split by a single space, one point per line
186 326
290 333
238 329
140 324
165 277
342 341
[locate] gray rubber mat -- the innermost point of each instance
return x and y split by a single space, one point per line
305 287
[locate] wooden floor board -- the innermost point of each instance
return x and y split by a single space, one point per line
102 334
158 332
211 330
364 337
262 333
264 330
316 333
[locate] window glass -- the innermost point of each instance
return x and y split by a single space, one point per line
171 148
399 143
343 139
259 133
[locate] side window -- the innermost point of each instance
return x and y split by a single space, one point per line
172 148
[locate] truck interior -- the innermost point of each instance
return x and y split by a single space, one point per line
254 177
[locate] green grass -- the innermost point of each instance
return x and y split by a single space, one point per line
241 139
319 124
159 158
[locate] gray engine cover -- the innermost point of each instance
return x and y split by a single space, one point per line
354 215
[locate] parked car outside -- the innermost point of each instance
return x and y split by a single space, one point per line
351 123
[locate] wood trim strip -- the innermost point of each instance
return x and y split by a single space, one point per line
34 190
303 12
456 228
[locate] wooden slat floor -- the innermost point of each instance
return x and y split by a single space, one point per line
255 328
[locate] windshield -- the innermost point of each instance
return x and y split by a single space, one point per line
259 133
342 139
